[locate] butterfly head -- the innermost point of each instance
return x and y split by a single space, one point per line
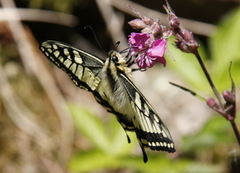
121 61
117 58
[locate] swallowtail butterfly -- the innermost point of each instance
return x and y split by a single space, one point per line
108 80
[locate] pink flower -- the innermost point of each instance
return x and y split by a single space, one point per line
144 61
147 50
156 52
138 42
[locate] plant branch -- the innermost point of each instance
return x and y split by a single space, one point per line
235 129
209 78
38 16
24 42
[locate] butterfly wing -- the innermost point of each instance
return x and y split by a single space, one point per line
82 67
150 130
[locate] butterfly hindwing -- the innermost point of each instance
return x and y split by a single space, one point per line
125 122
149 128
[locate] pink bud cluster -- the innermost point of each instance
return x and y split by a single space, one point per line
149 46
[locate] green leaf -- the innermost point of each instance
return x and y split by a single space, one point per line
108 136
186 66
93 160
216 133
90 126
225 46
119 144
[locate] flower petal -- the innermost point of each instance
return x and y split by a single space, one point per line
158 48
162 60
144 61
138 40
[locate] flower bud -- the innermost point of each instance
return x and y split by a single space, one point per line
137 24
187 46
228 96
211 102
174 22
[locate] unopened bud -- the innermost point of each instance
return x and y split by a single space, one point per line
185 46
174 21
137 24
228 96
185 40
147 20
212 103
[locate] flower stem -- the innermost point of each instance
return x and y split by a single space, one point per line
233 124
208 78
235 129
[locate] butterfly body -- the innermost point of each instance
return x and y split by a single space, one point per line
109 82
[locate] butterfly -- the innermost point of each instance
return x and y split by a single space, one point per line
109 81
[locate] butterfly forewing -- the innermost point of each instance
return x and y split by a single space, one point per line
81 66
110 84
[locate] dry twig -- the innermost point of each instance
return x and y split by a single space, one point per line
33 64
194 26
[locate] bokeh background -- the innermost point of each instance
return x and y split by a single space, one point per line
49 125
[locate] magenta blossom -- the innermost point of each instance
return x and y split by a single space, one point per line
155 53
138 42
147 50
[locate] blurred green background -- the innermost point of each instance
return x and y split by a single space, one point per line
49 125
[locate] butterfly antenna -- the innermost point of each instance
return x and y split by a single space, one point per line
89 27
125 50
116 45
